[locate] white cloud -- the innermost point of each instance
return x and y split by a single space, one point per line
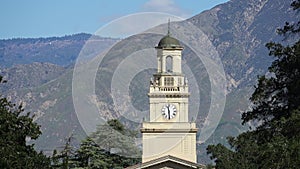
166 6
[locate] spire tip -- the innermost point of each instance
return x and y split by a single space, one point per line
169 27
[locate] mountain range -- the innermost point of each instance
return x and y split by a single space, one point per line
39 71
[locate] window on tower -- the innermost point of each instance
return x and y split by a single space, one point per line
169 81
169 64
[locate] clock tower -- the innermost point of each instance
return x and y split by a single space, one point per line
169 131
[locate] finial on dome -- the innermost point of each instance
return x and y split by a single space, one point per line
168 41
169 27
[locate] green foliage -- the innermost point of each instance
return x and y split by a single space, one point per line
275 142
65 159
15 128
288 28
113 137
97 150
55 159
111 146
209 166
91 155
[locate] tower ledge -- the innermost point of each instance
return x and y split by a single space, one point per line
165 127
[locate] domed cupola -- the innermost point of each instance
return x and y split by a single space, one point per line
168 41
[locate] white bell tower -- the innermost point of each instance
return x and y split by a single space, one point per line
169 130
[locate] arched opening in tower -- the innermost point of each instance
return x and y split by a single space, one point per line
169 64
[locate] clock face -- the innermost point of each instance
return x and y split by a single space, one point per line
168 111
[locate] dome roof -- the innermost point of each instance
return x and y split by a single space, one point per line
168 41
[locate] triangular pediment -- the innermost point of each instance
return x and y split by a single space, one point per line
167 162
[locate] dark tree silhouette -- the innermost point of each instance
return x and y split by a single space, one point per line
15 128
275 142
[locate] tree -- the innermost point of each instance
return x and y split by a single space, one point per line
97 150
15 128
65 159
275 143
55 159
93 155
68 154
114 138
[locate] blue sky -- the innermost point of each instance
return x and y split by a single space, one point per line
44 18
